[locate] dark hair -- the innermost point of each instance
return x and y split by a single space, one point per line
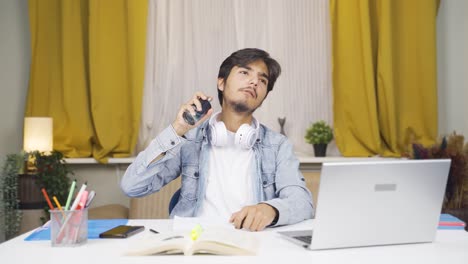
244 57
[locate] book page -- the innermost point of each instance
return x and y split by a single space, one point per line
219 241
222 241
173 243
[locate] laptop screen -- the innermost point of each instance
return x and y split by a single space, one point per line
379 202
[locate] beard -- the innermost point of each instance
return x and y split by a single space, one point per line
242 107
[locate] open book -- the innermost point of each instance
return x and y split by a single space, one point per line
212 241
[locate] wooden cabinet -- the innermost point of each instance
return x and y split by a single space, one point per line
154 206
312 179
29 193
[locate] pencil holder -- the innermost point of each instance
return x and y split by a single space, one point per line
68 228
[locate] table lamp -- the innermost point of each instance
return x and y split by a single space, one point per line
38 136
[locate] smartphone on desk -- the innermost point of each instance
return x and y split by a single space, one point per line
121 231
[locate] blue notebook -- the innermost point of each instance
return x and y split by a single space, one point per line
95 227
447 221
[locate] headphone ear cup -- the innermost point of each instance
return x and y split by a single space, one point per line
218 134
245 136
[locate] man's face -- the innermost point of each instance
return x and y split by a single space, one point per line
246 87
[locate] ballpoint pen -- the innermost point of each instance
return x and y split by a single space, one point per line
57 203
91 196
70 194
44 192
58 206
78 196
82 203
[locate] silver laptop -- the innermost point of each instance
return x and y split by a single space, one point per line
376 203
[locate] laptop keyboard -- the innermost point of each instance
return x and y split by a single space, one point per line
305 239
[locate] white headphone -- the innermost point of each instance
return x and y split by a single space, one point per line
245 136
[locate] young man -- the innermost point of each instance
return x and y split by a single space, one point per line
232 167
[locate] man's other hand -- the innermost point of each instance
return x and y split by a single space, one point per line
254 217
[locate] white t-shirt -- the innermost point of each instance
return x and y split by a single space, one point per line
229 182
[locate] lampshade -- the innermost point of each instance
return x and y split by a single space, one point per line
38 134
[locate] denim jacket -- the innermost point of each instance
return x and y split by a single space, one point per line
278 181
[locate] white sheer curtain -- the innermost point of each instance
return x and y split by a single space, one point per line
187 41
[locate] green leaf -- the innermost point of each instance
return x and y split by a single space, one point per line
319 133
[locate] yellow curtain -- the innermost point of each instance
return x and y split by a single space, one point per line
87 73
384 75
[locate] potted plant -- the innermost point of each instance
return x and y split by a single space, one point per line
10 213
319 134
456 191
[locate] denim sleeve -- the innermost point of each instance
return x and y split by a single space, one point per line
294 200
146 175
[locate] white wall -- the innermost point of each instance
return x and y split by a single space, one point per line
452 49
14 71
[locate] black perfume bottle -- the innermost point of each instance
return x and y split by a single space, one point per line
192 119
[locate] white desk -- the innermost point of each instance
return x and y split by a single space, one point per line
450 247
